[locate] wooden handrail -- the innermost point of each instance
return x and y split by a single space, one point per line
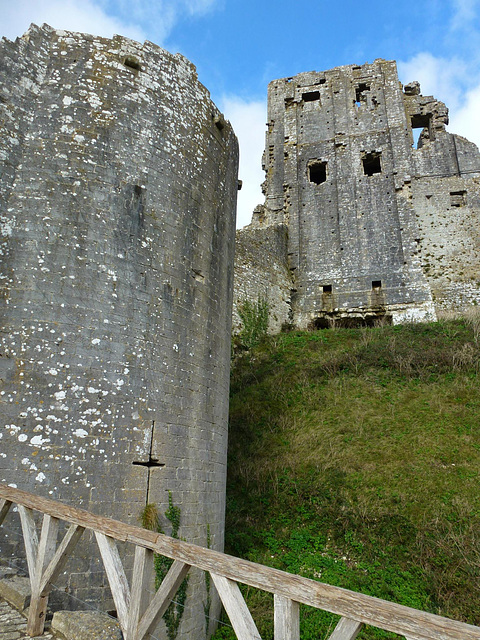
351 606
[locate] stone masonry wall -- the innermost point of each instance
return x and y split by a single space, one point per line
377 225
261 271
117 209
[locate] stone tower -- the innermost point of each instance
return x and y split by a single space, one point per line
117 209
376 224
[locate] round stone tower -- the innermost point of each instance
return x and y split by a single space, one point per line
118 180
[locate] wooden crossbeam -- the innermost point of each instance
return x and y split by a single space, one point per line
4 508
45 562
236 608
60 558
116 577
286 618
30 539
346 629
161 600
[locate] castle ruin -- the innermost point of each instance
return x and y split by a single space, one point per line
118 181
117 210
362 221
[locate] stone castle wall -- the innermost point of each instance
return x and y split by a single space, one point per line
377 225
261 272
117 210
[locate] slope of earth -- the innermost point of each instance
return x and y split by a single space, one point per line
354 459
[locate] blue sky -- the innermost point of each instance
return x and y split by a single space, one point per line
238 46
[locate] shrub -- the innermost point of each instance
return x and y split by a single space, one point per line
254 317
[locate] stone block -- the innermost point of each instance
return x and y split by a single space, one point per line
85 625
16 591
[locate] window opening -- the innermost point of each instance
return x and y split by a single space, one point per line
219 121
132 63
329 321
317 171
361 94
421 129
376 285
327 288
371 163
458 198
310 96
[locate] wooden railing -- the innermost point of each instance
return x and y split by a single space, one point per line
138 614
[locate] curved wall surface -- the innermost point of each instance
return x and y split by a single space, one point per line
118 181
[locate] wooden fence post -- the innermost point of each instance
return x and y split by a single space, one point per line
286 618
142 580
45 553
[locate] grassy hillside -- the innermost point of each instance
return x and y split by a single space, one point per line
354 459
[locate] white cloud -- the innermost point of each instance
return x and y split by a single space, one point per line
448 80
439 77
248 121
131 18
86 17
157 17
465 121
454 79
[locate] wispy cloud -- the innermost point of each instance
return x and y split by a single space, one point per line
464 13
199 6
86 16
248 121
454 79
158 16
132 18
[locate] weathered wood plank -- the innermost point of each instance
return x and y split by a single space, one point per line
4 508
169 587
236 608
373 611
142 582
109 527
286 618
45 553
30 539
116 577
60 558
346 630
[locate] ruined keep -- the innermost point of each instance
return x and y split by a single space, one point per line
117 210
374 224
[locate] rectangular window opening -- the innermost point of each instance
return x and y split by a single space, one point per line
376 285
421 129
311 96
317 171
361 91
327 288
132 63
458 198
371 163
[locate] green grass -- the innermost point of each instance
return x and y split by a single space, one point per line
354 459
